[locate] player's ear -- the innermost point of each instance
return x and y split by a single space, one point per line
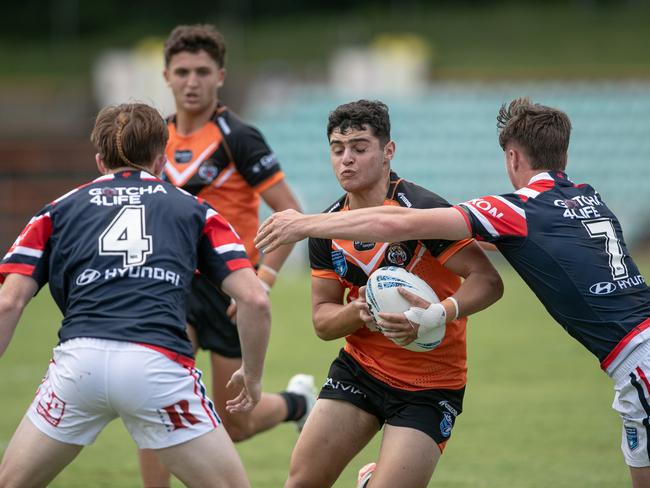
166 75
222 77
389 150
101 167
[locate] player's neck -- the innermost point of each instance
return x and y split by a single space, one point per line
189 122
372 197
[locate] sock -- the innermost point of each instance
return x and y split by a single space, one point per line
296 405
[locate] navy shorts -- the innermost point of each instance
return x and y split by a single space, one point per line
206 312
432 411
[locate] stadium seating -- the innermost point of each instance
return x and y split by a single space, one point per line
447 140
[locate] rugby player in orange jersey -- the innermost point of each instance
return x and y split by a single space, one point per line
375 383
216 156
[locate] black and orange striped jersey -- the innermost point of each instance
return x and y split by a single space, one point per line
227 163
352 262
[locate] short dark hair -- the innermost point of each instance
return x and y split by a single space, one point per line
542 131
131 134
361 115
195 38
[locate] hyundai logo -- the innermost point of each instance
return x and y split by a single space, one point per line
602 288
87 276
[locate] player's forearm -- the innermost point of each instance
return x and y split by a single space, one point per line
15 294
254 325
9 315
479 290
333 321
386 223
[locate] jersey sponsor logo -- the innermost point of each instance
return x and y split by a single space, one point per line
579 207
602 288
363 246
337 385
607 287
401 197
397 254
632 437
486 206
143 272
131 195
87 276
182 156
339 262
446 424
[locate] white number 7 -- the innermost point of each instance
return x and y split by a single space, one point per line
125 236
603 228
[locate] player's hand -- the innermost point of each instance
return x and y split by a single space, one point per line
364 313
400 327
279 229
249 395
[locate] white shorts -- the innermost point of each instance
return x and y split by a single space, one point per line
92 381
632 402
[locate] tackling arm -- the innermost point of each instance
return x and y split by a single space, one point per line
375 224
15 294
332 319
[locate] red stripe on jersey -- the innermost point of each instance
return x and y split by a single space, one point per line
624 342
186 361
239 263
18 268
505 219
36 234
542 185
219 231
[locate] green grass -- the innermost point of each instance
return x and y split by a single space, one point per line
537 409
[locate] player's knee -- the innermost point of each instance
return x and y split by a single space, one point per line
238 430
302 476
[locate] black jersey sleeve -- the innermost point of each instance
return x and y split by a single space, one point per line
252 156
414 196
320 255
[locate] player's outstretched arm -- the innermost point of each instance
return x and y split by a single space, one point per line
15 294
375 224
254 326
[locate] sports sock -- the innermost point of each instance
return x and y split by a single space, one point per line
296 405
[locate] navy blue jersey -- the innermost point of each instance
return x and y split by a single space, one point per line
568 247
119 254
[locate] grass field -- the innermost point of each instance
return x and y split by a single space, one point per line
537 409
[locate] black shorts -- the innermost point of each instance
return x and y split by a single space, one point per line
206 312
433 411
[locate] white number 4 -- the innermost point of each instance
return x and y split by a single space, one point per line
603 228
125 236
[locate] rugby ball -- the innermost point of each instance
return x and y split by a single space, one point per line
382 296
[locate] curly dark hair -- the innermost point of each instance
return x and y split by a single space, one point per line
542 131
360 115
195 38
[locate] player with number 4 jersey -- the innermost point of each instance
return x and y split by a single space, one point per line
559 236
119 254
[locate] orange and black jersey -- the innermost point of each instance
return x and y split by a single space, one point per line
227 163
352 262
